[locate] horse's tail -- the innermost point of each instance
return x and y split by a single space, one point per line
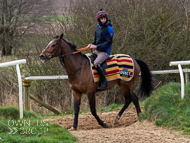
146 79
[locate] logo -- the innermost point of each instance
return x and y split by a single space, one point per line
125 73
27 126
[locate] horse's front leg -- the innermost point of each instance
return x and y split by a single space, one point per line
92 103
77 101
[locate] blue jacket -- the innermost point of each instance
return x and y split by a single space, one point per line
103 37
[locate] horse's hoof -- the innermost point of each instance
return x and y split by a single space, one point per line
105 125
116 120
72 129
118 117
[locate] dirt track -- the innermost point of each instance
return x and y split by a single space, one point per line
128 129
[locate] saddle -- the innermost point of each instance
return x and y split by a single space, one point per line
103 65
118 66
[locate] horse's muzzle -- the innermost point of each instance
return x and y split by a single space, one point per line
43 58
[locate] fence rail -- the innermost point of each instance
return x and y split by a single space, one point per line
179 63
12 63
46 77
28 79
186 71
27 83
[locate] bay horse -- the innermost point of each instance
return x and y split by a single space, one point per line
81 80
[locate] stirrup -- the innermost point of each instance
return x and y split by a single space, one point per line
103 86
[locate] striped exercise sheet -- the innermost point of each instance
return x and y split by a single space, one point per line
121 66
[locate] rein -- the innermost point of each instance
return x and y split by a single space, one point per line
61 61
61 58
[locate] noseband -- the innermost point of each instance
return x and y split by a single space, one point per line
52 53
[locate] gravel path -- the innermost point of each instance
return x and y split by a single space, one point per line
128 129
139 132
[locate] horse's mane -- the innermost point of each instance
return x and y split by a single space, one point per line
68 42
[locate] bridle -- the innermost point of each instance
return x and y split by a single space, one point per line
61 57
52 53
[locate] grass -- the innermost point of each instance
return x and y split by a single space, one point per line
53 18
167 109
114 106
30 129
111 107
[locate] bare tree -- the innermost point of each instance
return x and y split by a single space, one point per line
17 16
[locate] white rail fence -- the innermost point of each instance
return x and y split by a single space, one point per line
179 70
186 71
52 77
179 63
12 63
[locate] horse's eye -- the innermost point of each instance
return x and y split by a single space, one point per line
53 45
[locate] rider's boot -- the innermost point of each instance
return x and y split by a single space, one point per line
103 81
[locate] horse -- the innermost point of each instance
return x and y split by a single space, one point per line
81 80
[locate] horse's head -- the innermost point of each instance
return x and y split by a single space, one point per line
52 50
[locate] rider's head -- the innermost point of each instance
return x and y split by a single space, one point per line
102 16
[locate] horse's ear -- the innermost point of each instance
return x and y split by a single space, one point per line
61 36
56 36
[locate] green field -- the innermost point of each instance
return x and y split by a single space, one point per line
31 129
167 109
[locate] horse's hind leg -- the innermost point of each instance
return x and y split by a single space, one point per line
92 102
129 96
135 101
126 93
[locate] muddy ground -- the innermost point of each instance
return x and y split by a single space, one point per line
127 130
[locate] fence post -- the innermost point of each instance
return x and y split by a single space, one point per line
187 76
26 84
179 63
182 81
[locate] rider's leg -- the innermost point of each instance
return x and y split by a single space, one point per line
101 57
103 81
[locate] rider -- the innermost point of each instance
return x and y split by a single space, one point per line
102 43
